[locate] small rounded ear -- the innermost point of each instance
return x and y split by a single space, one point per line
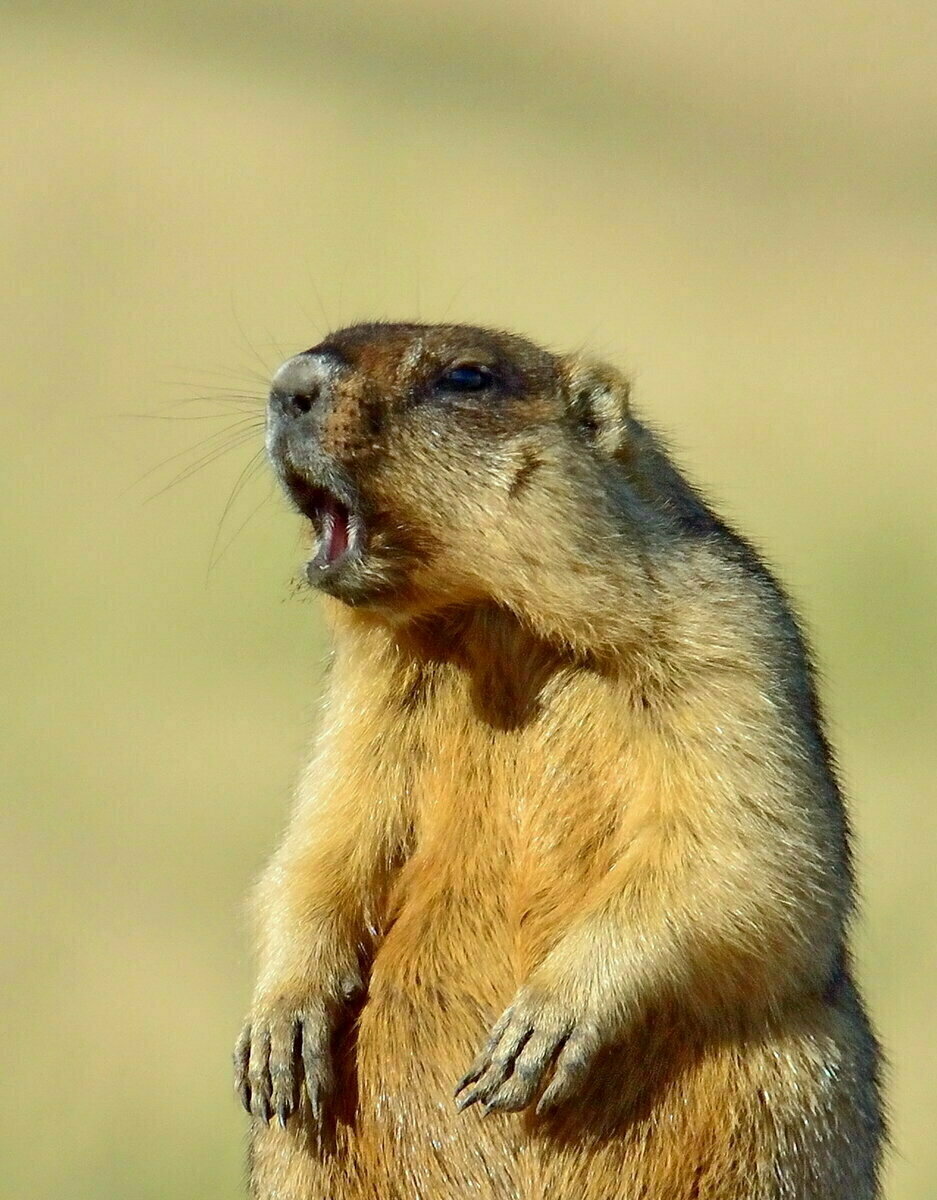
598 398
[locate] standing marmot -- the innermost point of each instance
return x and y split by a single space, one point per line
571 842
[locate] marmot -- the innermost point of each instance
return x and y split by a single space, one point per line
571 843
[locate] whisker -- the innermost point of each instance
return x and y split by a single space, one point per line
341 291
229 407
243 425
250 345
455 296
236 490
216 392
216 452
212 565
222 416
327 324
227 374
281 353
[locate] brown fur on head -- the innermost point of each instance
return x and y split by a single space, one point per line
468 464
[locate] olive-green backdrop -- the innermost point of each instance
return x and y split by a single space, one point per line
736 201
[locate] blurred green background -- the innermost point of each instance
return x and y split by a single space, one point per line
736 202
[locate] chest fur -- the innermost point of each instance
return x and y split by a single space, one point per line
514 822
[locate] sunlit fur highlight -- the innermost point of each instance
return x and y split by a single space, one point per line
574 762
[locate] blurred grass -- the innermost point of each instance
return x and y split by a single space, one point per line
737 203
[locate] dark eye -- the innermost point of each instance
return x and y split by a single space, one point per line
465 378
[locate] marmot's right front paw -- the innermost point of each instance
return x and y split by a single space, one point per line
283 1047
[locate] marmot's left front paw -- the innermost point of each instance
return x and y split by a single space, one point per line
533 1034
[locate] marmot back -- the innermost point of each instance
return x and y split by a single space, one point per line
571 846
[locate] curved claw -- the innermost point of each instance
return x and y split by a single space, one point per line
242 1052
279 1052
528 1040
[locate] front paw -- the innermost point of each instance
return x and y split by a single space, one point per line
535 1034
283 1049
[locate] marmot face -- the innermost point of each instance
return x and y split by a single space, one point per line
431 460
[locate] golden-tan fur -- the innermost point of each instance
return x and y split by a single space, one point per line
571 770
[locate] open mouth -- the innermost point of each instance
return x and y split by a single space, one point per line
338 528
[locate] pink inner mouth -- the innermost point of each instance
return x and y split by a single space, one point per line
335 532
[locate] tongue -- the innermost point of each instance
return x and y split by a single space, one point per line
334 531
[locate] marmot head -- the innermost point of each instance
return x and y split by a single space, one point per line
444 464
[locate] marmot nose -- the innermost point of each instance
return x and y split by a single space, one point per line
299 383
